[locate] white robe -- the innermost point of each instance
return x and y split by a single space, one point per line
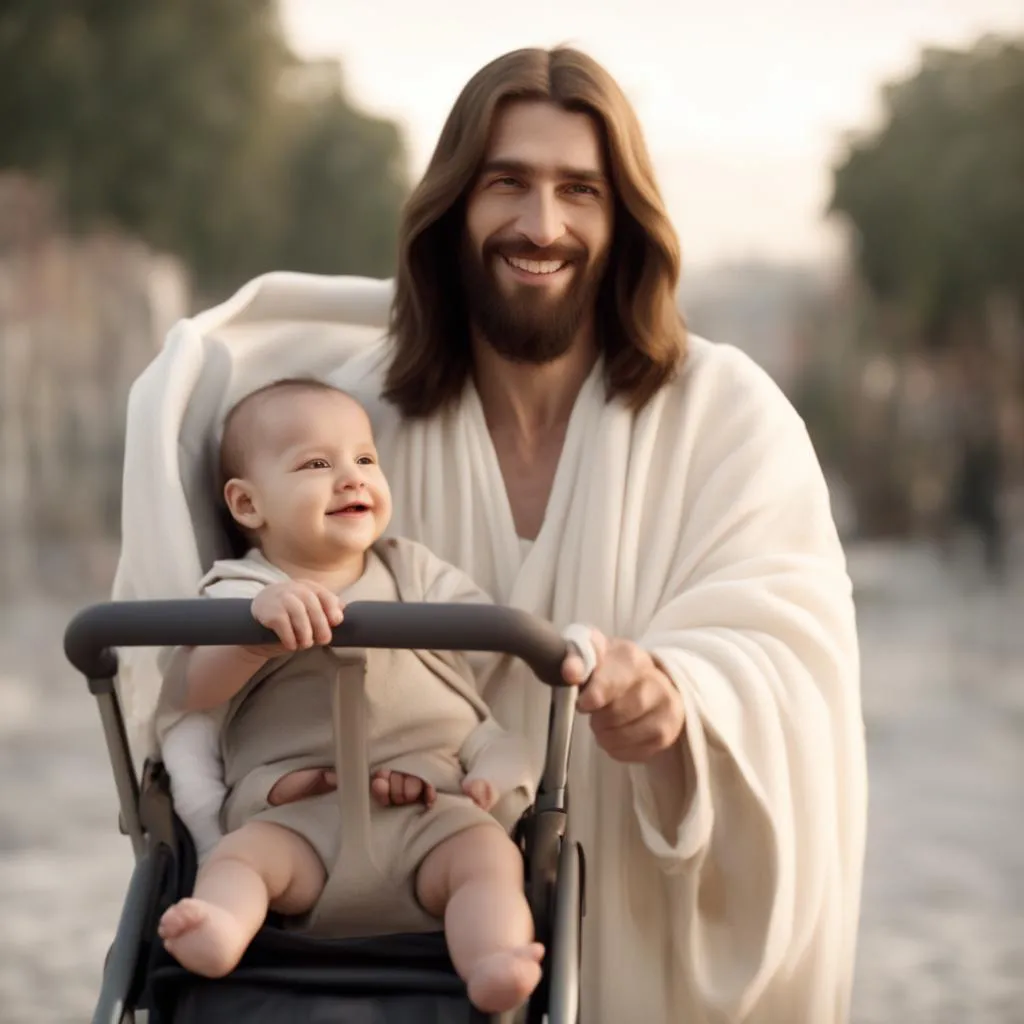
701 529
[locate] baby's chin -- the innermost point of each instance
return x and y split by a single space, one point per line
351 542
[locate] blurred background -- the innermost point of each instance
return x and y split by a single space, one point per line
848 184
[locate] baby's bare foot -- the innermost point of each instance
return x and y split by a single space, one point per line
203 938
503 981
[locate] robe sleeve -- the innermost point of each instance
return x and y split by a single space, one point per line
756 628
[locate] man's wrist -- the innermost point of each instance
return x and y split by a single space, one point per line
676 708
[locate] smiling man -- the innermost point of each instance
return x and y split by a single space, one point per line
548 425
537 235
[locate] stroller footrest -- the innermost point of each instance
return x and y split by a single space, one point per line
360 980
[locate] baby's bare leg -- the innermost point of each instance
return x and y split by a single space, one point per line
260 866
475 879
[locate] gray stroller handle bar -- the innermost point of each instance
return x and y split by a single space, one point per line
92 635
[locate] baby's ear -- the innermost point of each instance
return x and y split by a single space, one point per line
240 498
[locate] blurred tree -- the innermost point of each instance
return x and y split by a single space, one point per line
344 181
182 123
936 198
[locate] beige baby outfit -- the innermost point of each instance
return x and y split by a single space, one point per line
361 710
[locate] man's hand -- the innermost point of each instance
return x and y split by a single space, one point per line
635 710
396 789
301 613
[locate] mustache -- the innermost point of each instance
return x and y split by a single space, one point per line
526 250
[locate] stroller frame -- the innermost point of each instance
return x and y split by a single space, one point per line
397 972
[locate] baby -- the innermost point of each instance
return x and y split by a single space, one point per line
304 485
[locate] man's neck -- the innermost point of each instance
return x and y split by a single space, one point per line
530 402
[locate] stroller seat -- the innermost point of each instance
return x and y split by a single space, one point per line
282 325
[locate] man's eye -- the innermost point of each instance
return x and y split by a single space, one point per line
585 190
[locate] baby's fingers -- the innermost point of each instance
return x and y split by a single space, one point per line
319 624
380 787
299 619
331 604
481 792
280 622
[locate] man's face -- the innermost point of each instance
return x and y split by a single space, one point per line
538 230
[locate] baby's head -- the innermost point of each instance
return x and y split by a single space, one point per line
300 473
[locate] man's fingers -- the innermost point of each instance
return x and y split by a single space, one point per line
573 670
641 739
635 741
619 669
610 679
633 702
574 667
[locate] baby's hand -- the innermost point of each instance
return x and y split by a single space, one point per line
397 789
300 612
482 793
299 785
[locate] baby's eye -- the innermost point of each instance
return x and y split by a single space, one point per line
316 464
366 460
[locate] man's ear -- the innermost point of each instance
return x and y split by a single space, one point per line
240 498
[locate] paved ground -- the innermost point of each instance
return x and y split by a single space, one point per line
943 924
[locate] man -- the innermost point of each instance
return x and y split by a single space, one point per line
548 426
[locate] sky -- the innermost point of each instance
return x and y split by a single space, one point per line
745 103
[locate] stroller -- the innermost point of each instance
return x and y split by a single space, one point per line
284 976
283 325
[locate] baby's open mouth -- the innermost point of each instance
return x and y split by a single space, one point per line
354 508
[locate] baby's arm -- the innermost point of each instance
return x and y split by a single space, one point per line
301 613
213 675
496 763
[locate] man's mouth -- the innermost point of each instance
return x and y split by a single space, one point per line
539 268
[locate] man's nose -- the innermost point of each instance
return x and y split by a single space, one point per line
541 218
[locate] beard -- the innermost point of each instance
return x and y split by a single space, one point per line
524 324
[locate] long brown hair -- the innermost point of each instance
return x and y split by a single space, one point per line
641 331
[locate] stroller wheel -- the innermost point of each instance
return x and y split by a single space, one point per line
566 936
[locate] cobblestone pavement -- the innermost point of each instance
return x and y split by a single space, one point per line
942 936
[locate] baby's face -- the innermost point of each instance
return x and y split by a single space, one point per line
315 480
